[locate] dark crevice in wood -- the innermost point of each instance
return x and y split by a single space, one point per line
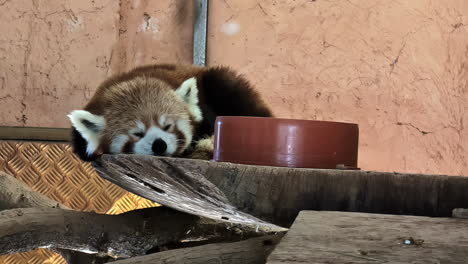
249 251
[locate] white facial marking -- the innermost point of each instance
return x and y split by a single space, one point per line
185 128
162 120
188 91
118 143
140 128
144 145
89 126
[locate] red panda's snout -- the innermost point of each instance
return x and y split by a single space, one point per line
156 141
168 138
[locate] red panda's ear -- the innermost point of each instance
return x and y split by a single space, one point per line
89 126
188 92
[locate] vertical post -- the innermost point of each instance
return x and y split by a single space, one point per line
199 32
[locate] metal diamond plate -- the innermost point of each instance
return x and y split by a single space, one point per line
39 256
53 170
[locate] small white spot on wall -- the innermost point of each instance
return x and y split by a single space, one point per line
231 28
149 25
74 23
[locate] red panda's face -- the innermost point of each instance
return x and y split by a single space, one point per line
141 116
162 135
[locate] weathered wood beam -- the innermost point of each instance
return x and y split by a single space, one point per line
177 186
125 235
250 251
343 237
16 194
276 195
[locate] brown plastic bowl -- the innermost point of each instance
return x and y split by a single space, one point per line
286 142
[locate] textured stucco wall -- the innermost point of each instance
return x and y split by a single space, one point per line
397 68
53 54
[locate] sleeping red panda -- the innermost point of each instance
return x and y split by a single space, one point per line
162 110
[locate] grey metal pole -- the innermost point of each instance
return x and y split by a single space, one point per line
200 32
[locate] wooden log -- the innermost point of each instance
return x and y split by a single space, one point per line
276 195
340 237
250 251
179 187
125 235
16 194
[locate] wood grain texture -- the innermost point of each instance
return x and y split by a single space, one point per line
340 237
35 133
276 195
250 251
176 183
120 236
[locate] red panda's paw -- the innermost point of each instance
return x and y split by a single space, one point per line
204 149
201 155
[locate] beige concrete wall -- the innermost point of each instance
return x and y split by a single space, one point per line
397 68
53 54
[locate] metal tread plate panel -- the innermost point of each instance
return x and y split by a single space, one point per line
55 171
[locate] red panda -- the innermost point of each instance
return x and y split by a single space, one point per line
162 110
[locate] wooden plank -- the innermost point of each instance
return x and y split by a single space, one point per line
340 237
250 251
179 188
276 195
35 133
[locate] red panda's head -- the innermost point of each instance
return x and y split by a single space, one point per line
143 115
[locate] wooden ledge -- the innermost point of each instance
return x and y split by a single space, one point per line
261 194
35 133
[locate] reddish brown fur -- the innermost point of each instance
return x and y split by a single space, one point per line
221 92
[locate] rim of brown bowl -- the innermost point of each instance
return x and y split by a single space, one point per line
284 142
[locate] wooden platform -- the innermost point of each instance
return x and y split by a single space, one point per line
231 213
339 237
236 192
